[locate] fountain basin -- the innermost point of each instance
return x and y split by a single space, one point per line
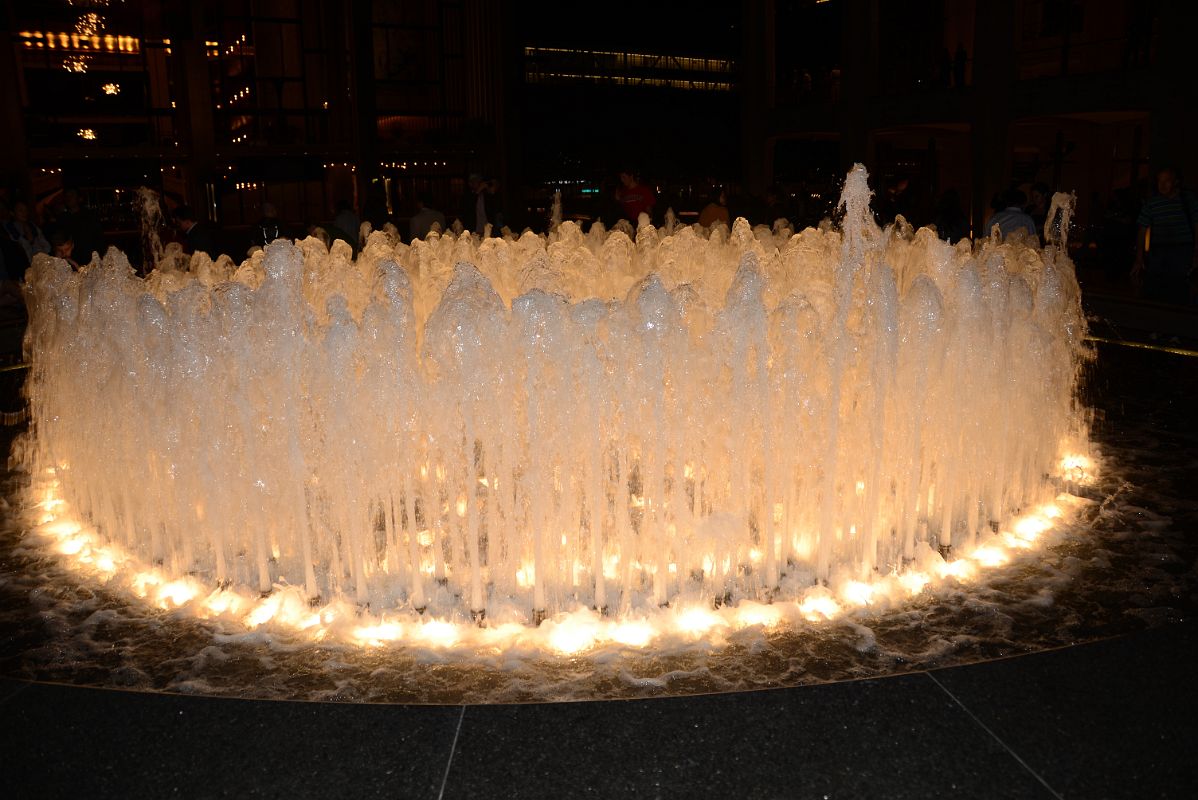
504 431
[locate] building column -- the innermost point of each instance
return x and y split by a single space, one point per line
194 121
363 103
757 69
509 125
14 155
1174 122
858 81
994 77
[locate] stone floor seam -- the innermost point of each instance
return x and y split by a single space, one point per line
449 761
996 737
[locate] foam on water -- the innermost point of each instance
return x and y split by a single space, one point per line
513 428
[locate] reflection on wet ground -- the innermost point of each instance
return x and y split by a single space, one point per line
1127 561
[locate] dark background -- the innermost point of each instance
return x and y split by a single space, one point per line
228 104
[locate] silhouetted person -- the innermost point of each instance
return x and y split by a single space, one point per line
25 232
634 197
13 261
424 219
1012 217
1117 234
375 209
82 224
197 235
1167 245
895 201
716 209
951 223
776 207
348 221
62 246
327 233
1039 199
481 206
13 264
497 206
268 228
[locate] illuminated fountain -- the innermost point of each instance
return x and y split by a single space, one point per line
501 431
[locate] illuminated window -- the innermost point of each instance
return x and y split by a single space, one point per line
559 65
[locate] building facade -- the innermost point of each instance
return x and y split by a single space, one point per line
232 104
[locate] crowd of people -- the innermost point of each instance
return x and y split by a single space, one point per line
1153 238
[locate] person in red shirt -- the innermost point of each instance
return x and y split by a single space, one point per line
635 198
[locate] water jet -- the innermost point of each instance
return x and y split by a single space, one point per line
507 433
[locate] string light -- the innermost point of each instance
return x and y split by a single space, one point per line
77 42
89 24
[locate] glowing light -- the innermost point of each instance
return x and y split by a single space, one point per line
697 621
105 562
570 637
437 632
111 88
224 602
377 635
87 133
72 546
277 610
52 503
960 569
819 607
142 581
802 546
177 593
637 633
1029 528
87 41
857 593
89 24
62 528
264 612
1078 468
914 582
749 614
990 556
